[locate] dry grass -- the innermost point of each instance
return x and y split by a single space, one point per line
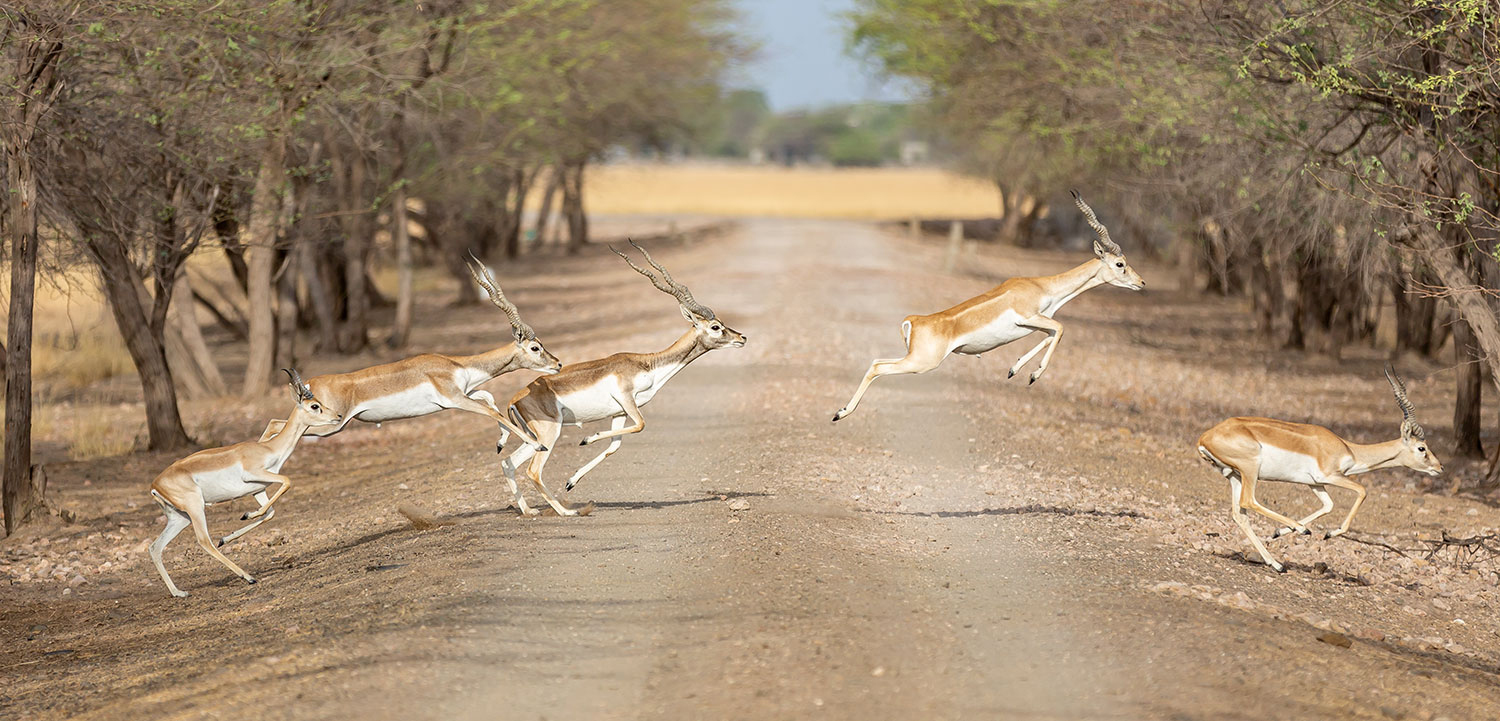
94 435
859 193
78 361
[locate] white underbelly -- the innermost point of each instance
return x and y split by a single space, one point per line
410 403
227 485
992 335
593 403
1282 465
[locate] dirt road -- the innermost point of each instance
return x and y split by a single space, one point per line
963 546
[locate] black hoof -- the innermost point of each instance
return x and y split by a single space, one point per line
1033 380
583 442
542 449
1010 374
837 416
245 516
499 448
1307 531
220 544
250 581
568 487
1279 569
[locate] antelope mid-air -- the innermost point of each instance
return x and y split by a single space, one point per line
1007 313
1250 450
216 475
429 383
612 388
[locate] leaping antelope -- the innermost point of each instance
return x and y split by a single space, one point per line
429 383
216 475
1009 312
1250 450
613 388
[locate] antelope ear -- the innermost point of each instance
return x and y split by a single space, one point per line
689 315
1098 250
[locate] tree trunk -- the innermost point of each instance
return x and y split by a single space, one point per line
1466 407
182 318
265 210
318 296
355 333
31 65
578 222
544 215
1414 316
21 498
401 329
147 351
286 311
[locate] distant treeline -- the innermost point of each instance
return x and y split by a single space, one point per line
742 126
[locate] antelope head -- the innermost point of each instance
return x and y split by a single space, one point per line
530 351
315 413
1117 270
1415 452
712 332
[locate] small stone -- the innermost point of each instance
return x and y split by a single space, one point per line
77 580
1392 713
1334 638
402 487
879 671
1369 634
739 504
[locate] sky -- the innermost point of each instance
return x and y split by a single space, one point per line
801 62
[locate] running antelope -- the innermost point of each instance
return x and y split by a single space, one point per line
1250 450
611 388
1007 313
224 474
429 383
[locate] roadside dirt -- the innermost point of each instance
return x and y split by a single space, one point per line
963 546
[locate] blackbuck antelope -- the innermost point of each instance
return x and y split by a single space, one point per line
429 383
612 388
1009 312
1250 450
224 474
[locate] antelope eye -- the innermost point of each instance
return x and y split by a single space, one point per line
536 347
1119 265
713 327
315 406
1421 449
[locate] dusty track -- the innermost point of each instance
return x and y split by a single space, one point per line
961 547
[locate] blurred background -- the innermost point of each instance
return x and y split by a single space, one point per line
200 194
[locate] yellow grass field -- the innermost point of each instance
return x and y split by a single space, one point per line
738 190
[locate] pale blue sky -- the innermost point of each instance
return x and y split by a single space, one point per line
801 62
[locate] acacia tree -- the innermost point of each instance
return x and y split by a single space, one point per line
32 45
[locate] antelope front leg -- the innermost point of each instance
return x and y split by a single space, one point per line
1028 356
615 424
265 507
263 499
1053 329
1358 500
1315 515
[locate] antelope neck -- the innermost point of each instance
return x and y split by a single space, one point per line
682 352
1374 456
495 362
1068 284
